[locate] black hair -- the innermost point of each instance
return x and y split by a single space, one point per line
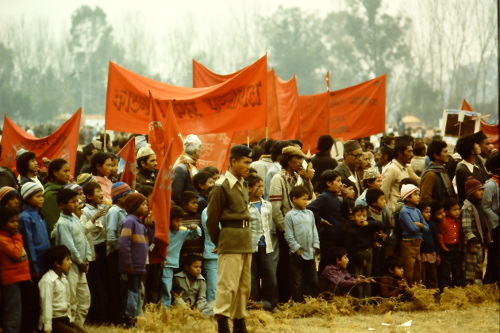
419 148
372 195
113 157
89 188
201 178
435 148
101 138
359 208
277 149
386 140
298 192
176 212
435 207
186 196
369 145
268 145
145 190
423 205
367 182
65 194
252 170
386 150
327 176
393 262
252 180
55 165
211 169
336 254
56 254
465 145
296 142
407 181
22 163
6 213
449 202
492 163
88 149
142 159
402 142
190 259
98 158
325 143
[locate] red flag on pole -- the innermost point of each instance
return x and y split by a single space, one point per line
130 170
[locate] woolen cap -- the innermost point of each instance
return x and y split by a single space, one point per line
371 173
133 201
241 151
84 178
6 193
191 143
293 151
145 151
351 146
472 185
74 187
30 188
119 189
407 190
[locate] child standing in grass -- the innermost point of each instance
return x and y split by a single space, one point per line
303 241
429 250
451 243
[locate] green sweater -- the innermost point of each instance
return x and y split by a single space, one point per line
50 209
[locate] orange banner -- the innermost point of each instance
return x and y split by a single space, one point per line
129 173
313 114
358 111
234 105
215 150
204 77
63 143
491 131
288 108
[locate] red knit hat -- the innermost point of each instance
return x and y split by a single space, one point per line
133 201
472 185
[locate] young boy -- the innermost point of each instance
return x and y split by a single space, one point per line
9 197
413 225
95 212
189 202
114 220
192 284
429 250
394 284
203 183
70 233
302 238
178 234
135 239
359 238
335 278
14 269
451 243
55 293
476 231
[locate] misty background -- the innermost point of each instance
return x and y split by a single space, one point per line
54 60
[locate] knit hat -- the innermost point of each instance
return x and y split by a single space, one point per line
118 190
6 193
30 188
407 190
351 146
133 201
85 178
145 151
371 173
293 151
74 187
191 143
472 185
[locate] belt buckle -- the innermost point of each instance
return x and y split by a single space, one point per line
245 223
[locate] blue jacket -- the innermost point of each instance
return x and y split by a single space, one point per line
176 239
327 207
407 216
35 237
430 242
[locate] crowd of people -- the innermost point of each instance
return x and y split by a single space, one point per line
80 248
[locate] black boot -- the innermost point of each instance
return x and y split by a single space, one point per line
222 325
239 326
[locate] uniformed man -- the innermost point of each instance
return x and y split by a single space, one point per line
228 204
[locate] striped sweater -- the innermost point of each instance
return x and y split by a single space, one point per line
135 239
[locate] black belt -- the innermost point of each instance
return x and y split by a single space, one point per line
235 224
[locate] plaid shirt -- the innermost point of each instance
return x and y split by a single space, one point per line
260 223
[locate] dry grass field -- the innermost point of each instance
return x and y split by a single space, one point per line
471 309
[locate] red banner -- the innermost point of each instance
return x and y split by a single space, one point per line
215 150
63 143
288 108
237 104
129 173
358 111
491 131
313 114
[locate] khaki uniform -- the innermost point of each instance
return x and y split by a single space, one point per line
228 203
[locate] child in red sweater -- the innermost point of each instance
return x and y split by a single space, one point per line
450 241
14 269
